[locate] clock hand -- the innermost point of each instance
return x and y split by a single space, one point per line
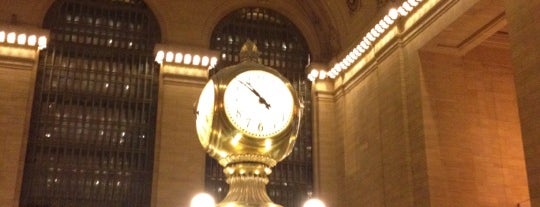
261 99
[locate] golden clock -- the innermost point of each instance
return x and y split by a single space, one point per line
258 103
248 116
205 113
248 109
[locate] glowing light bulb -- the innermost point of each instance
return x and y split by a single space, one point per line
364 45
383 24
402 11
159 56
11 37
413 2
202 200
314 203
393 14
407 6
187 59
196 60
21 39
375 33
205 60
379 28
178 58
388 20
169 57
42 42
32 40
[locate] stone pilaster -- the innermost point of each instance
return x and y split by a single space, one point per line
523 18
18 63
179 158
326 141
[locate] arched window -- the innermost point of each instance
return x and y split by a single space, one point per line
283 48
91 139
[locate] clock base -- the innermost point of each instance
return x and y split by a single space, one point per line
247 186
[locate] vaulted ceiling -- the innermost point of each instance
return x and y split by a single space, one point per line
329 26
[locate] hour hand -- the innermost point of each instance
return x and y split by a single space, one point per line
261 99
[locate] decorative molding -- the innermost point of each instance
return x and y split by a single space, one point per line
382 3
17 57
353 5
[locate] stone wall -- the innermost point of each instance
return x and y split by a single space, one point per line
473 140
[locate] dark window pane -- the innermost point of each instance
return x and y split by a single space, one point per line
91 139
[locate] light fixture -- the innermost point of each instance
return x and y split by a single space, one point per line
203 200
187 59
322 74
213 62
402 11
393 13
407 6
383 24
11 37
375 33
413 2
205 61
21 39
159 56
314 203
356 52
388 20
342 66
379 28
169 57
42 42
364 45
178 58
196 60
32 40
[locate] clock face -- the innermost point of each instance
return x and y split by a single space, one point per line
205 113
258 103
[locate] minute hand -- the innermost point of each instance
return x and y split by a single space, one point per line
261 99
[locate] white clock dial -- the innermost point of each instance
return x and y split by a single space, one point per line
258 103
205 113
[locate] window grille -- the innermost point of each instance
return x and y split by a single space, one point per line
91 138
283 48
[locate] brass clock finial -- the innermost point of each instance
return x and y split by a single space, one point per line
249 52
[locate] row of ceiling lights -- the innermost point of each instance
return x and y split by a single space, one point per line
23 39
205 61
186 59
376 32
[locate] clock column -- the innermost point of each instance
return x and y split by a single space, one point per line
179 160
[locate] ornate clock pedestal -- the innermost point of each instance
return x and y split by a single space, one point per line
247 186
